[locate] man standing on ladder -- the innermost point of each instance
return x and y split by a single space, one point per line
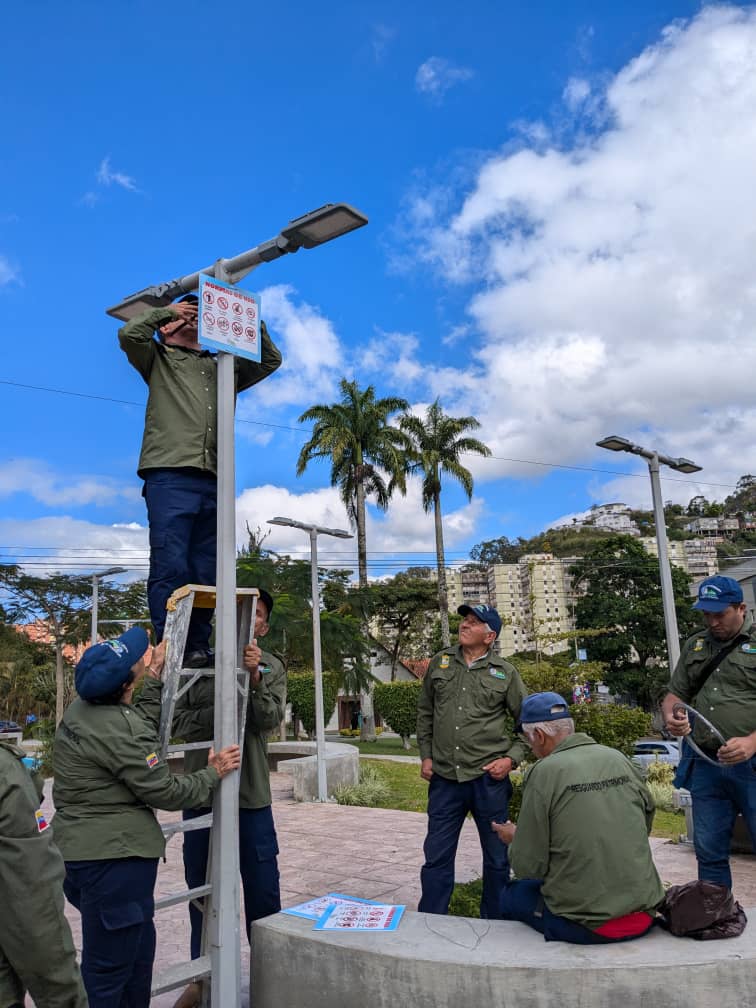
193 721
178 461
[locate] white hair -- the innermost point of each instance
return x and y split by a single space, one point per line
562 726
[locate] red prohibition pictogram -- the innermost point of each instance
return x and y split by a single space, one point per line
223 324
251 312
250 333
236 308
208 318
222 302
208 297
237 328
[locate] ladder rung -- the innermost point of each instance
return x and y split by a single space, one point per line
180 975
182 897
187 825
188 746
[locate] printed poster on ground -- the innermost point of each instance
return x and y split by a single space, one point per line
229 318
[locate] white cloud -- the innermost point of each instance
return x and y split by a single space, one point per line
40 481
313 358
436 75
44 545
9 273
616 284
392 355
575 92
381 35
106 176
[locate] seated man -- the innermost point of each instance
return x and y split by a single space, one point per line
580 848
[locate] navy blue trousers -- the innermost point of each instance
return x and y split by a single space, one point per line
449 802
258 864
116 901
522 901
182 515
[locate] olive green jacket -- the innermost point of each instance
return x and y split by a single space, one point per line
193 721
180 424
36 949
463 715
583 829
728 698
109 777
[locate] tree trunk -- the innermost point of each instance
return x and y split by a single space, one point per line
367 725
59 683
443 597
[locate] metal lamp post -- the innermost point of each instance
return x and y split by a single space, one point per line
312 229
683 465
96 578
314 531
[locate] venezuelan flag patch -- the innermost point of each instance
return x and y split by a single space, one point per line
152 760
42 822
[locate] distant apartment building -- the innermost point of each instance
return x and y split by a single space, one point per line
466 586
612 517
533 598
697 557
716 529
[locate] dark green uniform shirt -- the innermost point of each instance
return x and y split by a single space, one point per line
583 828
463 714
193 721
180 425
728 698
109 777
36 949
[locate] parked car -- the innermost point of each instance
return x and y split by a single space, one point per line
8 726
648 750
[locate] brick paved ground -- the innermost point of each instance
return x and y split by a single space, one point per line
373 853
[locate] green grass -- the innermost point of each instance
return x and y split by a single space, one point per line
668 824
381 746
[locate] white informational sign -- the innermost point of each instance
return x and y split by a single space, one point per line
229 319
315 908
360 917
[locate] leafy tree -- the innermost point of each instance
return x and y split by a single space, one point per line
611 724
63 602
435 642
618 586
24 667
497 551
300 691
368 459
437 444
397 702
399 609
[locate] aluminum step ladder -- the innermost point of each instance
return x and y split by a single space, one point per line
177 681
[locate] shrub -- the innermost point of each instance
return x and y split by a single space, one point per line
663 795
300 688
397 703
611 724
660 773
465 899
371 790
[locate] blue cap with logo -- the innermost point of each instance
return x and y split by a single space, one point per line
543 707
485 613
715 594
106 666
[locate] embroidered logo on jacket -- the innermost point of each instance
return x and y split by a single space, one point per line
444 661
42 822
497 673
749 648
152 760
698 646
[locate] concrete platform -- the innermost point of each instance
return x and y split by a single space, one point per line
448 962
300 760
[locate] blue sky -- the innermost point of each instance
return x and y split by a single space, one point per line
561 243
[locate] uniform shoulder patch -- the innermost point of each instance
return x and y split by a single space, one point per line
699 645
152 760
496 673
748 648
42 823
444 663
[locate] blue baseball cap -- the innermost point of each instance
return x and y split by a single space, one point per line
715 594
543 707
106 666
485 613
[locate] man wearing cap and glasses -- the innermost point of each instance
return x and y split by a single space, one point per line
258 846
716 675
468 749
179 454
580 849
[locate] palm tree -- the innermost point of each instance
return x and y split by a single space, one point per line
368 459
436 448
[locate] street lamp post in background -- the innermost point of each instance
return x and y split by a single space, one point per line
314 531
312 229
683 465
96 578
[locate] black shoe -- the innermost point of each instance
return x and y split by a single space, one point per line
199 659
